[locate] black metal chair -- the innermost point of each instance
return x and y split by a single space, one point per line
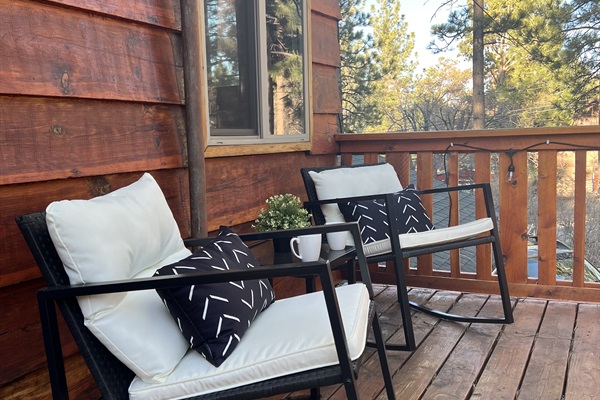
113 378
396 253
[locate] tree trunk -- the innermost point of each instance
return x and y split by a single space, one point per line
478 86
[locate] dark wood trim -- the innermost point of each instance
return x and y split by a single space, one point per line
195 114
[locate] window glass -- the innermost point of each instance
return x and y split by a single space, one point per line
285 48
230 55
256 69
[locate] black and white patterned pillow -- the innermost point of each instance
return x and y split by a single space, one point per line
214 317
371 215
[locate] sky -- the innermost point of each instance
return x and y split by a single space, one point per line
418 15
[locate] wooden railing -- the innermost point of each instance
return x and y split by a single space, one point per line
494 154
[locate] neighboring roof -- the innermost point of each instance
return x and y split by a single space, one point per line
441 207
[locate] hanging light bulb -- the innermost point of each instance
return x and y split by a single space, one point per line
510 174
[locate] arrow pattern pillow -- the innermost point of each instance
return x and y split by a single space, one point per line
371 215
214 317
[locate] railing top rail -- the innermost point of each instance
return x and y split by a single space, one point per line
513 132
563 138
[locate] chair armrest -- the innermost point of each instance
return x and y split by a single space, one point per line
383 195
351 227
486 187
315 203
196 278
488 198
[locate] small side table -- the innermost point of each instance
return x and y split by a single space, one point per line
337 259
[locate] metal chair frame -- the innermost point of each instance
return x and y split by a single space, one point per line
398 254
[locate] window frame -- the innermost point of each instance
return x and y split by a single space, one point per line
264 141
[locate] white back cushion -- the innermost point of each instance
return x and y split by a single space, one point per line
349 182
128 233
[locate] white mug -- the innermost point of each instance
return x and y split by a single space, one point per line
336 240
309 247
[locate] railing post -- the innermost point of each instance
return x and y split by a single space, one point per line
483 252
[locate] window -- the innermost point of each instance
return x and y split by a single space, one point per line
257 71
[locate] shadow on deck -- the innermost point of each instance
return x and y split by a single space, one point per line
552 351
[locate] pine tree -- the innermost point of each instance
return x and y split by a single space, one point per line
394 48
358 71
542 59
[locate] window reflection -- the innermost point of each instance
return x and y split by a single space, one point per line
285 50
244 45
230 69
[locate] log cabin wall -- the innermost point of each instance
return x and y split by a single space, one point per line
92 96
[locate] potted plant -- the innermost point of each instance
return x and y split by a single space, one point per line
284 211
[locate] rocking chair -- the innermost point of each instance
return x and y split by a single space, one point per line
363 187
263 363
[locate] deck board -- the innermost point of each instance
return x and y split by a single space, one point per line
506 366
584 365
545 375
457 376
550 352
433 352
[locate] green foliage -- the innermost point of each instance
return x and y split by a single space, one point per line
222 43
286 73
284 211
358 69
542 58
440 99
541 66
394 46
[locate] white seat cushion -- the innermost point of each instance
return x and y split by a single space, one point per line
435 236
125 234
292 335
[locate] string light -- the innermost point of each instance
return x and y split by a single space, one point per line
510 173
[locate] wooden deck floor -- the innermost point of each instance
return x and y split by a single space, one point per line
552 351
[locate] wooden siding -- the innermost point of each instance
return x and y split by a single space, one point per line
92 96
237 187
163 13
326 97
330 8
62 133
325 48
55 51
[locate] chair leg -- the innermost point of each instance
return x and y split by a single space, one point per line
350 386
504 295
410 343
52 345
385 368
502 282
315 394
404 303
